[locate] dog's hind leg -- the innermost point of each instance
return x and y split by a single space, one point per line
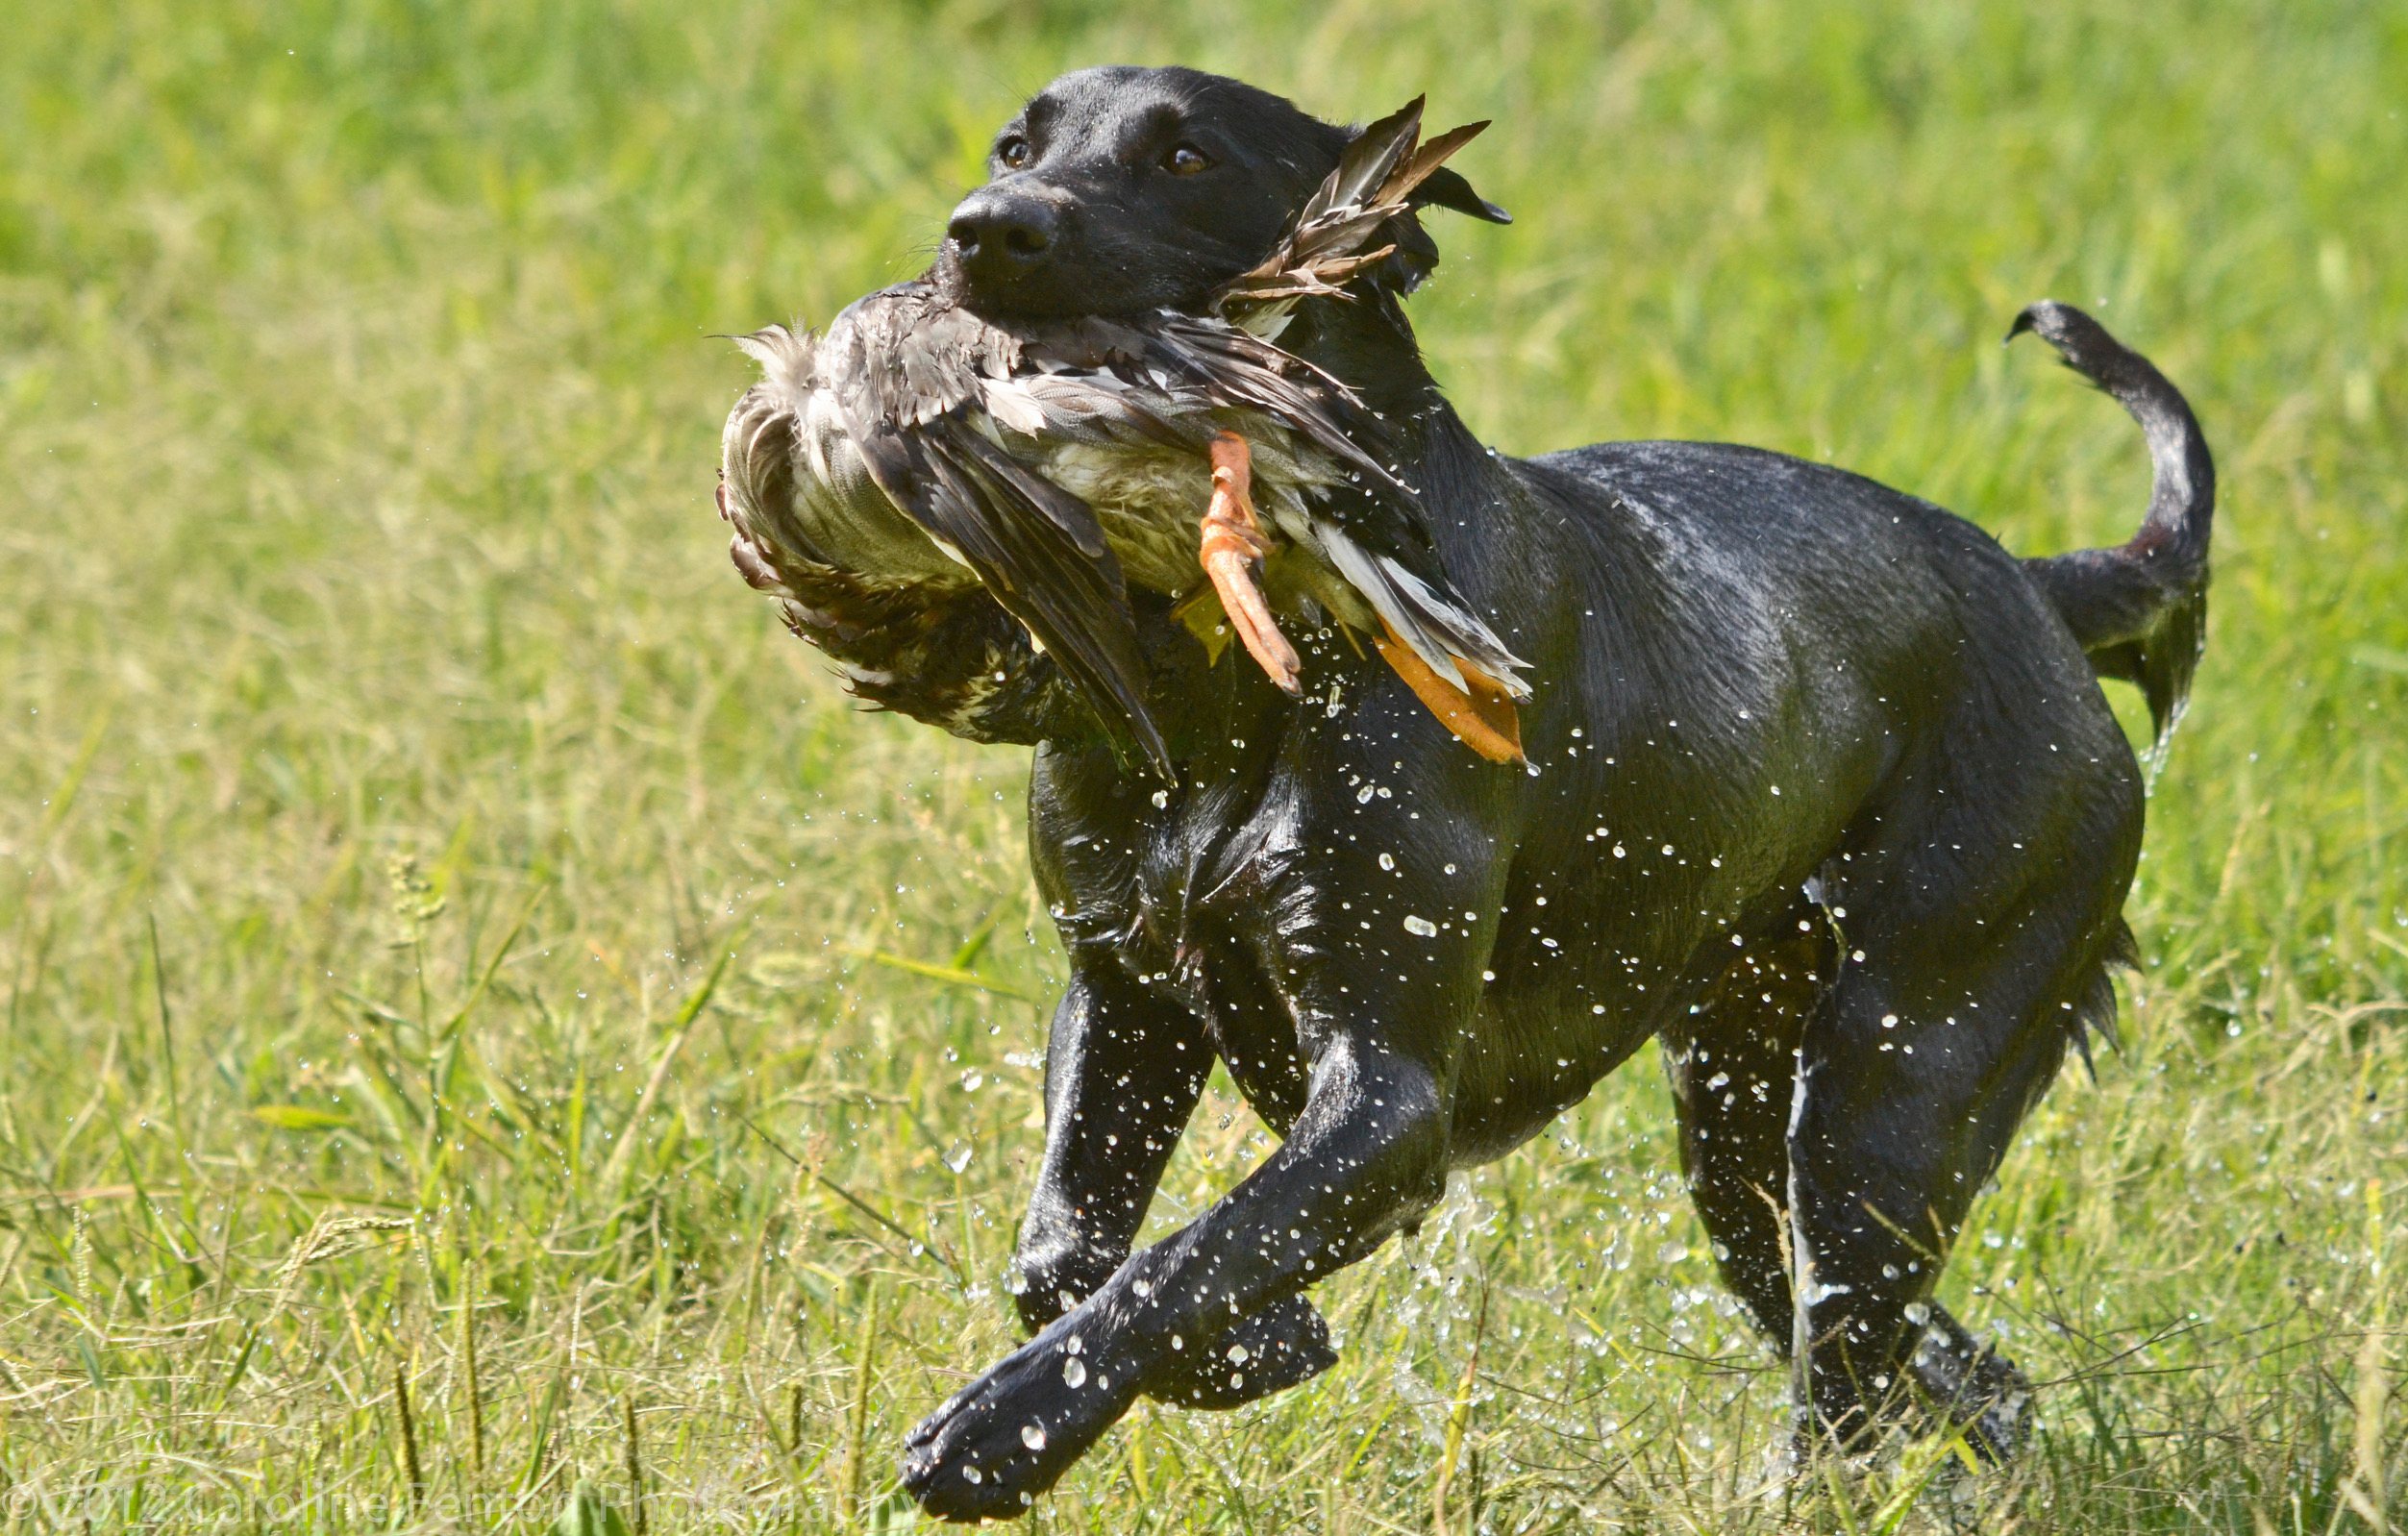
1885 1156
1968 970
1732 1065
1838 1116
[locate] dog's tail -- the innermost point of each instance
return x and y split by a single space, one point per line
2138 609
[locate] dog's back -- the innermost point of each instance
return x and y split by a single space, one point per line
2137 610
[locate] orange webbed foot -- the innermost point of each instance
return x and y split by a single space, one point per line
1233 541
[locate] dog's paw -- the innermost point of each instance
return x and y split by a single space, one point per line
1000 1441
1282 1344
1968 1388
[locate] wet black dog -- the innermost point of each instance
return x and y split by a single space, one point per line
1823 795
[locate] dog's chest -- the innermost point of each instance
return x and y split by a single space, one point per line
1192 899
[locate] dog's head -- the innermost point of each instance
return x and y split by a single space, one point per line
1119 189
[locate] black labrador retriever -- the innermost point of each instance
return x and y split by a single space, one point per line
1822 794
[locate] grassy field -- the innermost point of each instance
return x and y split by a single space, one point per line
476 991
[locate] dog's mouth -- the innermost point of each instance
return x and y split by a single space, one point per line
1059 290
987 294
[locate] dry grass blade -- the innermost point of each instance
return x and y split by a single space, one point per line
408 1436
637 1508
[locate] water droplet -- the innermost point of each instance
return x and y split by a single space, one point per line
1387 861
958 1158
1421 927
1237 1354
972 1474
1177 1342
1073 1374
1033 1437
1162 798
1073 1345
1143 1288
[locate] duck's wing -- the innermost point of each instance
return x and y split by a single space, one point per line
1037 548
908 354
796 485
1232 369
908 369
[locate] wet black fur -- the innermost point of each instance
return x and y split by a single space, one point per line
1827 800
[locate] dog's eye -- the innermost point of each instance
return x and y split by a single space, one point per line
1013 151
1186 161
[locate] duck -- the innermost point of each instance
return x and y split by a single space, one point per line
1057 461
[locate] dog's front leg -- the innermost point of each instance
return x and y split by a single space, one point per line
1367 1154
1123 1071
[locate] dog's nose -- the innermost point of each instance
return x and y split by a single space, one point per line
1000 235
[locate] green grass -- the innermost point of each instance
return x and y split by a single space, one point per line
408 815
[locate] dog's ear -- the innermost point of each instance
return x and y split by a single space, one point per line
1447 189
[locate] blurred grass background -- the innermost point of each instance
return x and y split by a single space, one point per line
439 903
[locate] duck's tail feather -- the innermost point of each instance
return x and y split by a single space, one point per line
1039 551
1438 625
788 356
